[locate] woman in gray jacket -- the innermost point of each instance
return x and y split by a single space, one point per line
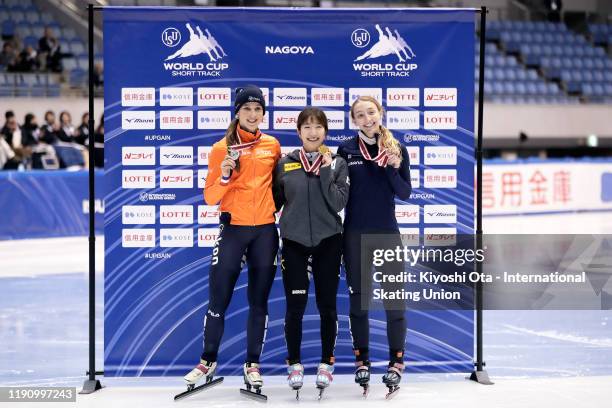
311 185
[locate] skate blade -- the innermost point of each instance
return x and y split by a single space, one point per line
366 391
320 396
199 388
392 393
254 395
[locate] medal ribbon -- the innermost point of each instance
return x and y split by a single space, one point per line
381 159
310 168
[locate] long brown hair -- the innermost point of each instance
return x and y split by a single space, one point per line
231 136
387 140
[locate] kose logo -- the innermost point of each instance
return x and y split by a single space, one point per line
175 238
403 119
440 155
175 96
138 214
171 37
213 119
289 49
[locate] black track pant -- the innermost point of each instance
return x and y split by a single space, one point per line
326 274
359 282
261 245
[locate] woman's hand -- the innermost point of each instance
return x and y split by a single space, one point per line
394 161
327 159
227 165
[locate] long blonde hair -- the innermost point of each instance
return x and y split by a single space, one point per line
387 140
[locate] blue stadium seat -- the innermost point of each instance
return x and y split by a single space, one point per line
553 88
521 74
498 74
510 74
608 89
31 40
587 76
541 88
599 63
498 88
69 64
8 28
77 47
531 89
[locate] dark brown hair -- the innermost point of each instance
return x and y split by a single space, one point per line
316 114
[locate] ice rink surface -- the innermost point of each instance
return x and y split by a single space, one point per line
554 358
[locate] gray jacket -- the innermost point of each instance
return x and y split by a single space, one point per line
311 203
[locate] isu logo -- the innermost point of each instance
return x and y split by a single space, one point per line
171 37
198 44
388 43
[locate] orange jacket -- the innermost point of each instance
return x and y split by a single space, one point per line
248 195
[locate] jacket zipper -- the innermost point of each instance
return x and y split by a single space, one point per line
309 216
253 165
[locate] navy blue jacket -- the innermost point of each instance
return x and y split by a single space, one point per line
371 204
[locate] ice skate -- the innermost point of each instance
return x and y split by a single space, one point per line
362 376
253 382
324 377
392 379
296 378
202 373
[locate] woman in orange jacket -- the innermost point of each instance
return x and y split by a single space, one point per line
240 181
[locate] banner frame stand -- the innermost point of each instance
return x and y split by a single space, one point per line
92 384
480 375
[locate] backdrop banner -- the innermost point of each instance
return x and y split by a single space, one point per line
170 77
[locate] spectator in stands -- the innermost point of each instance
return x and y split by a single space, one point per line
11 137
50 129
8 55
67 132
50 51
30 132
83 129
27 60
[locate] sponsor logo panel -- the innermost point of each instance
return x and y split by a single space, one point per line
440 155
290 97
138 179
327 97
208 214
176 155
440 120
137 96
403 96
175 96
440 178
176 119
175 214
137 214
207 237
214 119
138 238
285 120
440 214
407 214
214 97
138 120
176 179
403 119
176 237
440 97
138 155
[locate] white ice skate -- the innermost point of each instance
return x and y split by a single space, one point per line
295 378
324 377
203 373
252 379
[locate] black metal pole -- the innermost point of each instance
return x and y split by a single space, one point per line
480 375
91 384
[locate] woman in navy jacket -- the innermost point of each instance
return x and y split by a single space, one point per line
379 171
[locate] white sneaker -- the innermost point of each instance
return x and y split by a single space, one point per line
203 371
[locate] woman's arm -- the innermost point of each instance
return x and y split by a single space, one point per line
334 184
400 178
